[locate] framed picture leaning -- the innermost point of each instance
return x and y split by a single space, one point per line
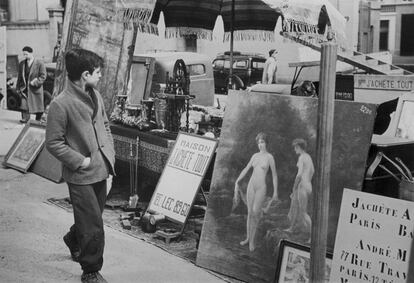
26 147
294 263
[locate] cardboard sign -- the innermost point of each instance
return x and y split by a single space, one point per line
373 239
182 176
384 82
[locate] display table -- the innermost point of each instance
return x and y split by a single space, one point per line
377 180
154 149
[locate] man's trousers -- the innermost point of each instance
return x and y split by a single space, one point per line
88 203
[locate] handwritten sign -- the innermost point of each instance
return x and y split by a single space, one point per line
384 82
182 176
373 239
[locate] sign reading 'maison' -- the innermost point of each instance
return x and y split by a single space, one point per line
182 176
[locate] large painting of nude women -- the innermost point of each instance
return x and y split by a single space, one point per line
264 179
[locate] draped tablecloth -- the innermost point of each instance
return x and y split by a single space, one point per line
153 152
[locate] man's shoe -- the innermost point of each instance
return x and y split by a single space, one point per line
23 121
93 277
74 250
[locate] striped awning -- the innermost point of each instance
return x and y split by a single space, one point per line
253 19
188 17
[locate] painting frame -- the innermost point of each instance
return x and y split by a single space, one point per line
17 159
301 252
287 122
141 69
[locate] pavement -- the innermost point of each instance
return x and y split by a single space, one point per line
31 230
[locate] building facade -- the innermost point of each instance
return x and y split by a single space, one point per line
387 26
36 23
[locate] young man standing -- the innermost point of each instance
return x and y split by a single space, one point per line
78 134
31 75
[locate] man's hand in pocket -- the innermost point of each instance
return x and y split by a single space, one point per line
34 82
86 162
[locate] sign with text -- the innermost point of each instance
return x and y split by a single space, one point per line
384 82
373 239
182 176
344 88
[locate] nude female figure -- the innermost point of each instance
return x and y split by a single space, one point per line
302 189
255 196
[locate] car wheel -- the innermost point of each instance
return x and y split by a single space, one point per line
47 98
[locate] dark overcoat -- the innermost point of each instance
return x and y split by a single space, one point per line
35 91
77 127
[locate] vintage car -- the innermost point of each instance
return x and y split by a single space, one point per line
247 70
153 68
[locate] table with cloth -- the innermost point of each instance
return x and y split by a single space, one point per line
153 152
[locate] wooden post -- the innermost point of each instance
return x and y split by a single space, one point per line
231 44
323 161
410 277
131 50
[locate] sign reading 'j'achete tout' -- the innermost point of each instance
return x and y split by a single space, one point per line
373 239
182 176
400 83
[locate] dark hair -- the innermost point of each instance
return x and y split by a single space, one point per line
301 143
271 51
28 49
80 60
261 136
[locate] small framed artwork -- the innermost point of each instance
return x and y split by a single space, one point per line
26 147
294 263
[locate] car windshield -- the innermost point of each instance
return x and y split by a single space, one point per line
258 64
196 69
240 64
237 64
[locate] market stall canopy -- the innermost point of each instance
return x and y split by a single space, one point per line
312 19
139 11
253 19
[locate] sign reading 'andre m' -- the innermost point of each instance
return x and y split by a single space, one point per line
182 176
373 239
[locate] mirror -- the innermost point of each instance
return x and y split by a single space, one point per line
140 79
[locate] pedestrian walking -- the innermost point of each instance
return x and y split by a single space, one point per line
30 78
270 68
78 134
